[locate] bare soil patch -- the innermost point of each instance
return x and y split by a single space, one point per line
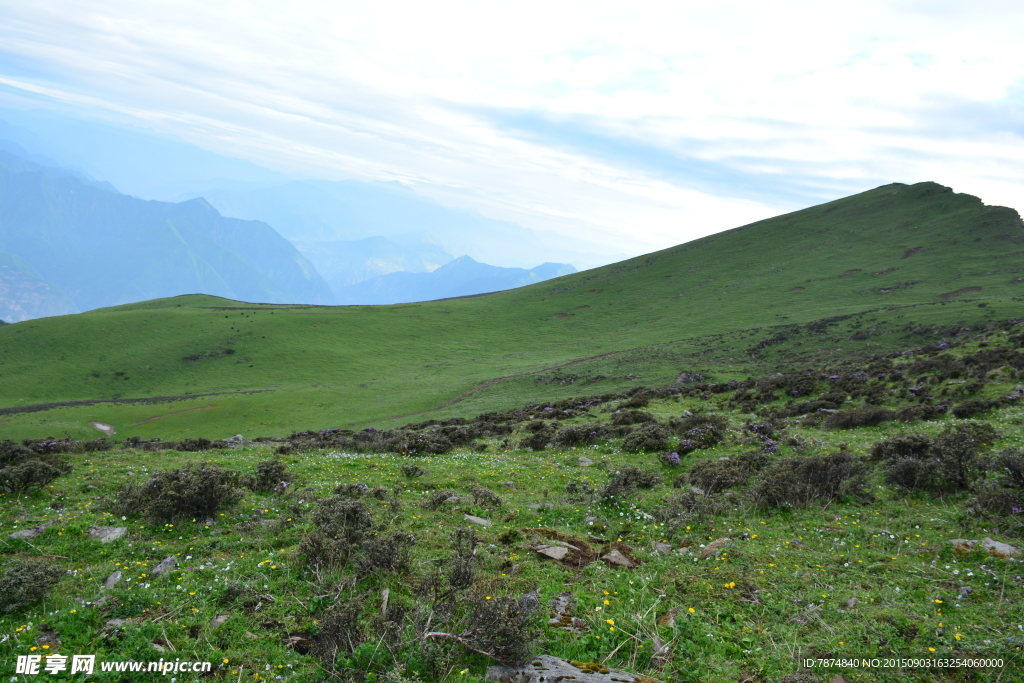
950 295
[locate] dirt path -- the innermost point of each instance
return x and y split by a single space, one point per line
177 412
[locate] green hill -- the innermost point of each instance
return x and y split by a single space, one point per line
886 269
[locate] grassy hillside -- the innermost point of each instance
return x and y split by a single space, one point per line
885 269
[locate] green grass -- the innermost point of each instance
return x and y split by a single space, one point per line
705 305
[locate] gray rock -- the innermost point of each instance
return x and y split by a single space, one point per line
585 462
30 533
236 439
713 548
107 534
112 580
617 559
965 591
662 547
165 565
218 621
548 669
831 411
541 506
1000 549
555 552
509 484
477 520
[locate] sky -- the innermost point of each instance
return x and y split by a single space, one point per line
636 124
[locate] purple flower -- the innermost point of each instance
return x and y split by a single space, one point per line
943 345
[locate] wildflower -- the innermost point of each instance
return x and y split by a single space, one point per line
610 621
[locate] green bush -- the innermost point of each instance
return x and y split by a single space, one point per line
865 416
25 582
972 407
195 491
631 417
624 480
798 482
22 468
341 524
391 553
719 474
650 437
270 474
951 461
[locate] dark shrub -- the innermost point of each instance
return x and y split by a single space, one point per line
699 431
972 407
389 553
194 445
66 445
797 482
638 401
25 582
270 474
579 435
650 437
724 473
1009 466
501 627
339 632
439 498
350 490
951 461
688 507
541 434
921 412
22 468
413 471
342 524
995 500
462 570
902 446
196 491
486 497
865 416
631 417
628 478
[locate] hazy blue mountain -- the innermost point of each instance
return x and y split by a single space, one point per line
74 241
343 263
24 294
461 277
138 161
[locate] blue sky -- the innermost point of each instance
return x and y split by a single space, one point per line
633 124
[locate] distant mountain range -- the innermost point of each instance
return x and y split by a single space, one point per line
461 277
71 243
67 244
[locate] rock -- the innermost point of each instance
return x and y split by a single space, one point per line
107 534
32 532
712 549
1000 549
165 565
236 439
251 635
851 603
112 580
590 521
547 669
555 552
965 591
218 621
477 520
561 616
617 559
996 548
541 506
114 624
452 499
668 619
662 547
509 484
585 462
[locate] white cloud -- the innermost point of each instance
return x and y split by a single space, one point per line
641 123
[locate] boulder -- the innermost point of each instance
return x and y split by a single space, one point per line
555 552
996 548
662 547
617 559
107 534
165 565
477 520
585 462
548 669
112 580
31 532
712 549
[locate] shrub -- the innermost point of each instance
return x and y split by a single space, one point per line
389 553
952 462
797 482
688 507
196 491
713 475
670 459
628 478
699 431
972 407
902 446
270 474
194 445
501 627
341 525
413 471
350 490
865 416
25 582
486 497
22 468
921 412
650 437
579 435
339 632
1009 465
631 417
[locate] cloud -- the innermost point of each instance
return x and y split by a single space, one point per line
638 124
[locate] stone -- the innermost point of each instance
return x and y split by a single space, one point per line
851 603
712 549
585 462
236 439
107 534
1000 549
509 484
662 547
218 621
548 669
965 591
617 559
555 552
114 624
668 619
112 580
590 521
541 506
562 618
30 533
165 565
477 520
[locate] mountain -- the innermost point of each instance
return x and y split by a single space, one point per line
461 277
70 244
308 211
344 263
888 270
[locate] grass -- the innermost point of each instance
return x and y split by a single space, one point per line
864 578
733 303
